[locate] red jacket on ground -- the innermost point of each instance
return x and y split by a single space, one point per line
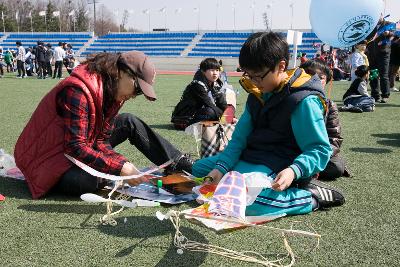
39 151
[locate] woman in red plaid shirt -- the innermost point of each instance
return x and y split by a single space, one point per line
79 117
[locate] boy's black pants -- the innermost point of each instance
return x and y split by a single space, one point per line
158 150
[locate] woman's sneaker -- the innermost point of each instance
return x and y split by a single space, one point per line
326 196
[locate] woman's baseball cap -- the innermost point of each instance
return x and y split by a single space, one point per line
143 68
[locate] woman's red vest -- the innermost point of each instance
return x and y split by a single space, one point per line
39 151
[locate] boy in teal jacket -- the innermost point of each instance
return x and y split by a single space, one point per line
281 133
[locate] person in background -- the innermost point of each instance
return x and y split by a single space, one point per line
59 54
8 59
303 58
20 60
29 62
79 118
203 99
2 64
378 52
394 63
69 60
41 60
48 59
358 58
356 98
223 76
336 166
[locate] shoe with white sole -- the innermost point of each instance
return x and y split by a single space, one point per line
326 196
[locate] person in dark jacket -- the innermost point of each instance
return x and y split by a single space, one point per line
203 99
41 60
48 58
378 52
336 166
356 98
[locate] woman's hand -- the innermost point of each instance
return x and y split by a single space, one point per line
137 181
130 169
283 180
216 175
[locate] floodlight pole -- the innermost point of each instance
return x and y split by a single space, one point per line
234 16
94 12
291 19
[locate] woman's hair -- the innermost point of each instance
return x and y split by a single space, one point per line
263 50
209 64
311 66
107 65
361 70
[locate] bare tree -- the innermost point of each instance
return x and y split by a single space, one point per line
78 20
125 17
105 22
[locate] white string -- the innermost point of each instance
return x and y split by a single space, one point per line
108 219
111 177
182 242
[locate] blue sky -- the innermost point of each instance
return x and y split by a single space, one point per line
183 15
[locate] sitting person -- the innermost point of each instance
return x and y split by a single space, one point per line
203 99
281 133
79 117
336 166
356 98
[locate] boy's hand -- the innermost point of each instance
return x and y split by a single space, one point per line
216 175
283 180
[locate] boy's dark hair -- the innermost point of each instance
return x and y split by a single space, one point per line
209 64
263 50
311 66
303 54
18 43
60 43
361 70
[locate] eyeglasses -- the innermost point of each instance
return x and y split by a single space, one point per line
138 90
256 79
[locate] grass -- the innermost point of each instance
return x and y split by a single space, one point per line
63 231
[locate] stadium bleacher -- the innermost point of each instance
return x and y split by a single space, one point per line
228 44
153 44
165 44
77 40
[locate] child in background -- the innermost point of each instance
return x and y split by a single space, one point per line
336 166
203 99
8 59
356 98
281 133
358 58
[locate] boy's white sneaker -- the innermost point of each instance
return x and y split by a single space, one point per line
394 89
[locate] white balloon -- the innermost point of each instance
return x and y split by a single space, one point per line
343 23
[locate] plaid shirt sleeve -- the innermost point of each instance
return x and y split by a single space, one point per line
74 108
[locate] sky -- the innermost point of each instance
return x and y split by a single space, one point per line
189 15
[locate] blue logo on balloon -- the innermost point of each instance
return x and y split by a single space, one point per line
355 30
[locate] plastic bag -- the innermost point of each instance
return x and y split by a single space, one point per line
6 161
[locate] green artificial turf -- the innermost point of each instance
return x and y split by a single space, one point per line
64 231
